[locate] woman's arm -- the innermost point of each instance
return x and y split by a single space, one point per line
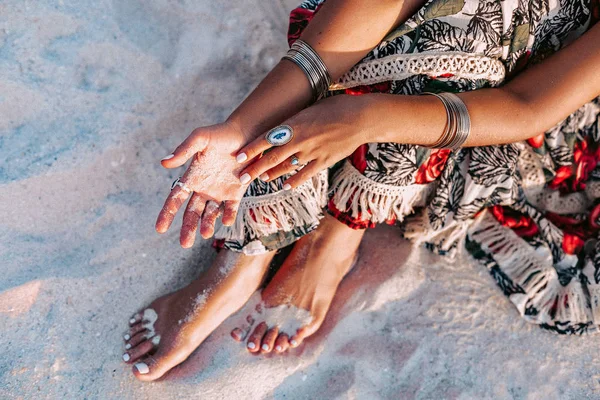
530 104
286 90
212 177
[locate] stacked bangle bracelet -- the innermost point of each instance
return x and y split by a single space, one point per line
305 57
458 125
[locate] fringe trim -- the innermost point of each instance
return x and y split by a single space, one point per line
373 201
535 273
265 215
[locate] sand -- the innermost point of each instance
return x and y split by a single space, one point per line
91 98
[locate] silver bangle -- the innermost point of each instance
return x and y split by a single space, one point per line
309 61
458 122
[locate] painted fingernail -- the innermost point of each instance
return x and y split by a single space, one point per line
142 368
168 157
245 178
294 343
264 177
127 346
132 321
126 357
287 186
241 157
127 337
278 348
251 345
265 347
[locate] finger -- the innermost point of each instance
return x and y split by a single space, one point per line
253 149
191 216
303 175
230 212
290 165
172 205
212 211
268 161
195 142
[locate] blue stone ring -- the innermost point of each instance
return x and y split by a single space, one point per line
294 160
280 135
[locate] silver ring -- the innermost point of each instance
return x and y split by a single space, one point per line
294 161
280 135
182 185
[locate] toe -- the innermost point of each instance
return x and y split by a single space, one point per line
138 351
237 334
282 343
302 334
256 338
135 319
134 330
136 339
268 342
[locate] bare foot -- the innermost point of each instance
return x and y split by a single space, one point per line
173 326
295 302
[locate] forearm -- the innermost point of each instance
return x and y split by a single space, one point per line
285 90
497 117
528 105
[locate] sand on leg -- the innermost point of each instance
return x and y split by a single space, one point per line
295 302
165 333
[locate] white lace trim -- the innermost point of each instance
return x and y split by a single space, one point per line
533 270
281 211
534 181
373 201
401 66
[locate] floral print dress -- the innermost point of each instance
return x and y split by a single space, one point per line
528 211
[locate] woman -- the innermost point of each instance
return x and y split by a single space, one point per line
521 193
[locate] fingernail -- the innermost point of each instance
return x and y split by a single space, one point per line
287 186
168 157
126 357
127 346
251 345
245 178
265 347
126 337
132 321
264 177
142 368
278 348
241 157
293 343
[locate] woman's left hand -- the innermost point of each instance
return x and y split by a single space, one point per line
324 134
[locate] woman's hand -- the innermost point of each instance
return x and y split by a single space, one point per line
212 178
324 134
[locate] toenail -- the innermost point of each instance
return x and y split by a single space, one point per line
127 346
251 345
293 343
278 348
126 357
132 321
142 368
126 337
265 347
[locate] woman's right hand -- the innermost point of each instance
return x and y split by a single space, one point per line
212 178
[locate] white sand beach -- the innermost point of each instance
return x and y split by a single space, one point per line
92 96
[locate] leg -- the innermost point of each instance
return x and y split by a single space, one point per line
303 288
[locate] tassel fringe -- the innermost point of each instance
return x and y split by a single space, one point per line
535 273
376 202
281 211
